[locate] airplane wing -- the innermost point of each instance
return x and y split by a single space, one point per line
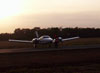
20 41
67 39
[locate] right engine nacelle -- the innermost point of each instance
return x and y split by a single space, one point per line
60 39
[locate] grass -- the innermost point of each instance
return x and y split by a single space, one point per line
6 44
81 41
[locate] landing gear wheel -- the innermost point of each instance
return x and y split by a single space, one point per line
35 45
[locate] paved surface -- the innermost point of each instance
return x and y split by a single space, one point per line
49 56
19 50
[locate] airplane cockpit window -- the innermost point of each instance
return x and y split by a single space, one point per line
44 37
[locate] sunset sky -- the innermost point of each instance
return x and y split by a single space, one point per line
48 13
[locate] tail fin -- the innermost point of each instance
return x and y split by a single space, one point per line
37 35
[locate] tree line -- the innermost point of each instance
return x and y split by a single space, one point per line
28 34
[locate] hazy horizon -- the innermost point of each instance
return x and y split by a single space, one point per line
48 13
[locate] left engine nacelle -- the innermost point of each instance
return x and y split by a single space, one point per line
35 41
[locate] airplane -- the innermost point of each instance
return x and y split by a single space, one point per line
45 39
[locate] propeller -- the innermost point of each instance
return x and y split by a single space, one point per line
37 35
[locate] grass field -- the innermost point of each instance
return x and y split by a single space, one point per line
81 41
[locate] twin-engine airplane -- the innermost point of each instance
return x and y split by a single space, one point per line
45 39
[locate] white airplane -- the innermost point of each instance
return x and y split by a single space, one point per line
45 39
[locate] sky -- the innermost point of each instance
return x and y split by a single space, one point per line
48 13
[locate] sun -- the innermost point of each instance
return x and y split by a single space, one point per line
9 8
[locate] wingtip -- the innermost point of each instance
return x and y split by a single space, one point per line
9 40
77 37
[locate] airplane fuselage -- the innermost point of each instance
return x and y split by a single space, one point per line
43 40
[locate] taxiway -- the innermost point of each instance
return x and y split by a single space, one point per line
21 50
